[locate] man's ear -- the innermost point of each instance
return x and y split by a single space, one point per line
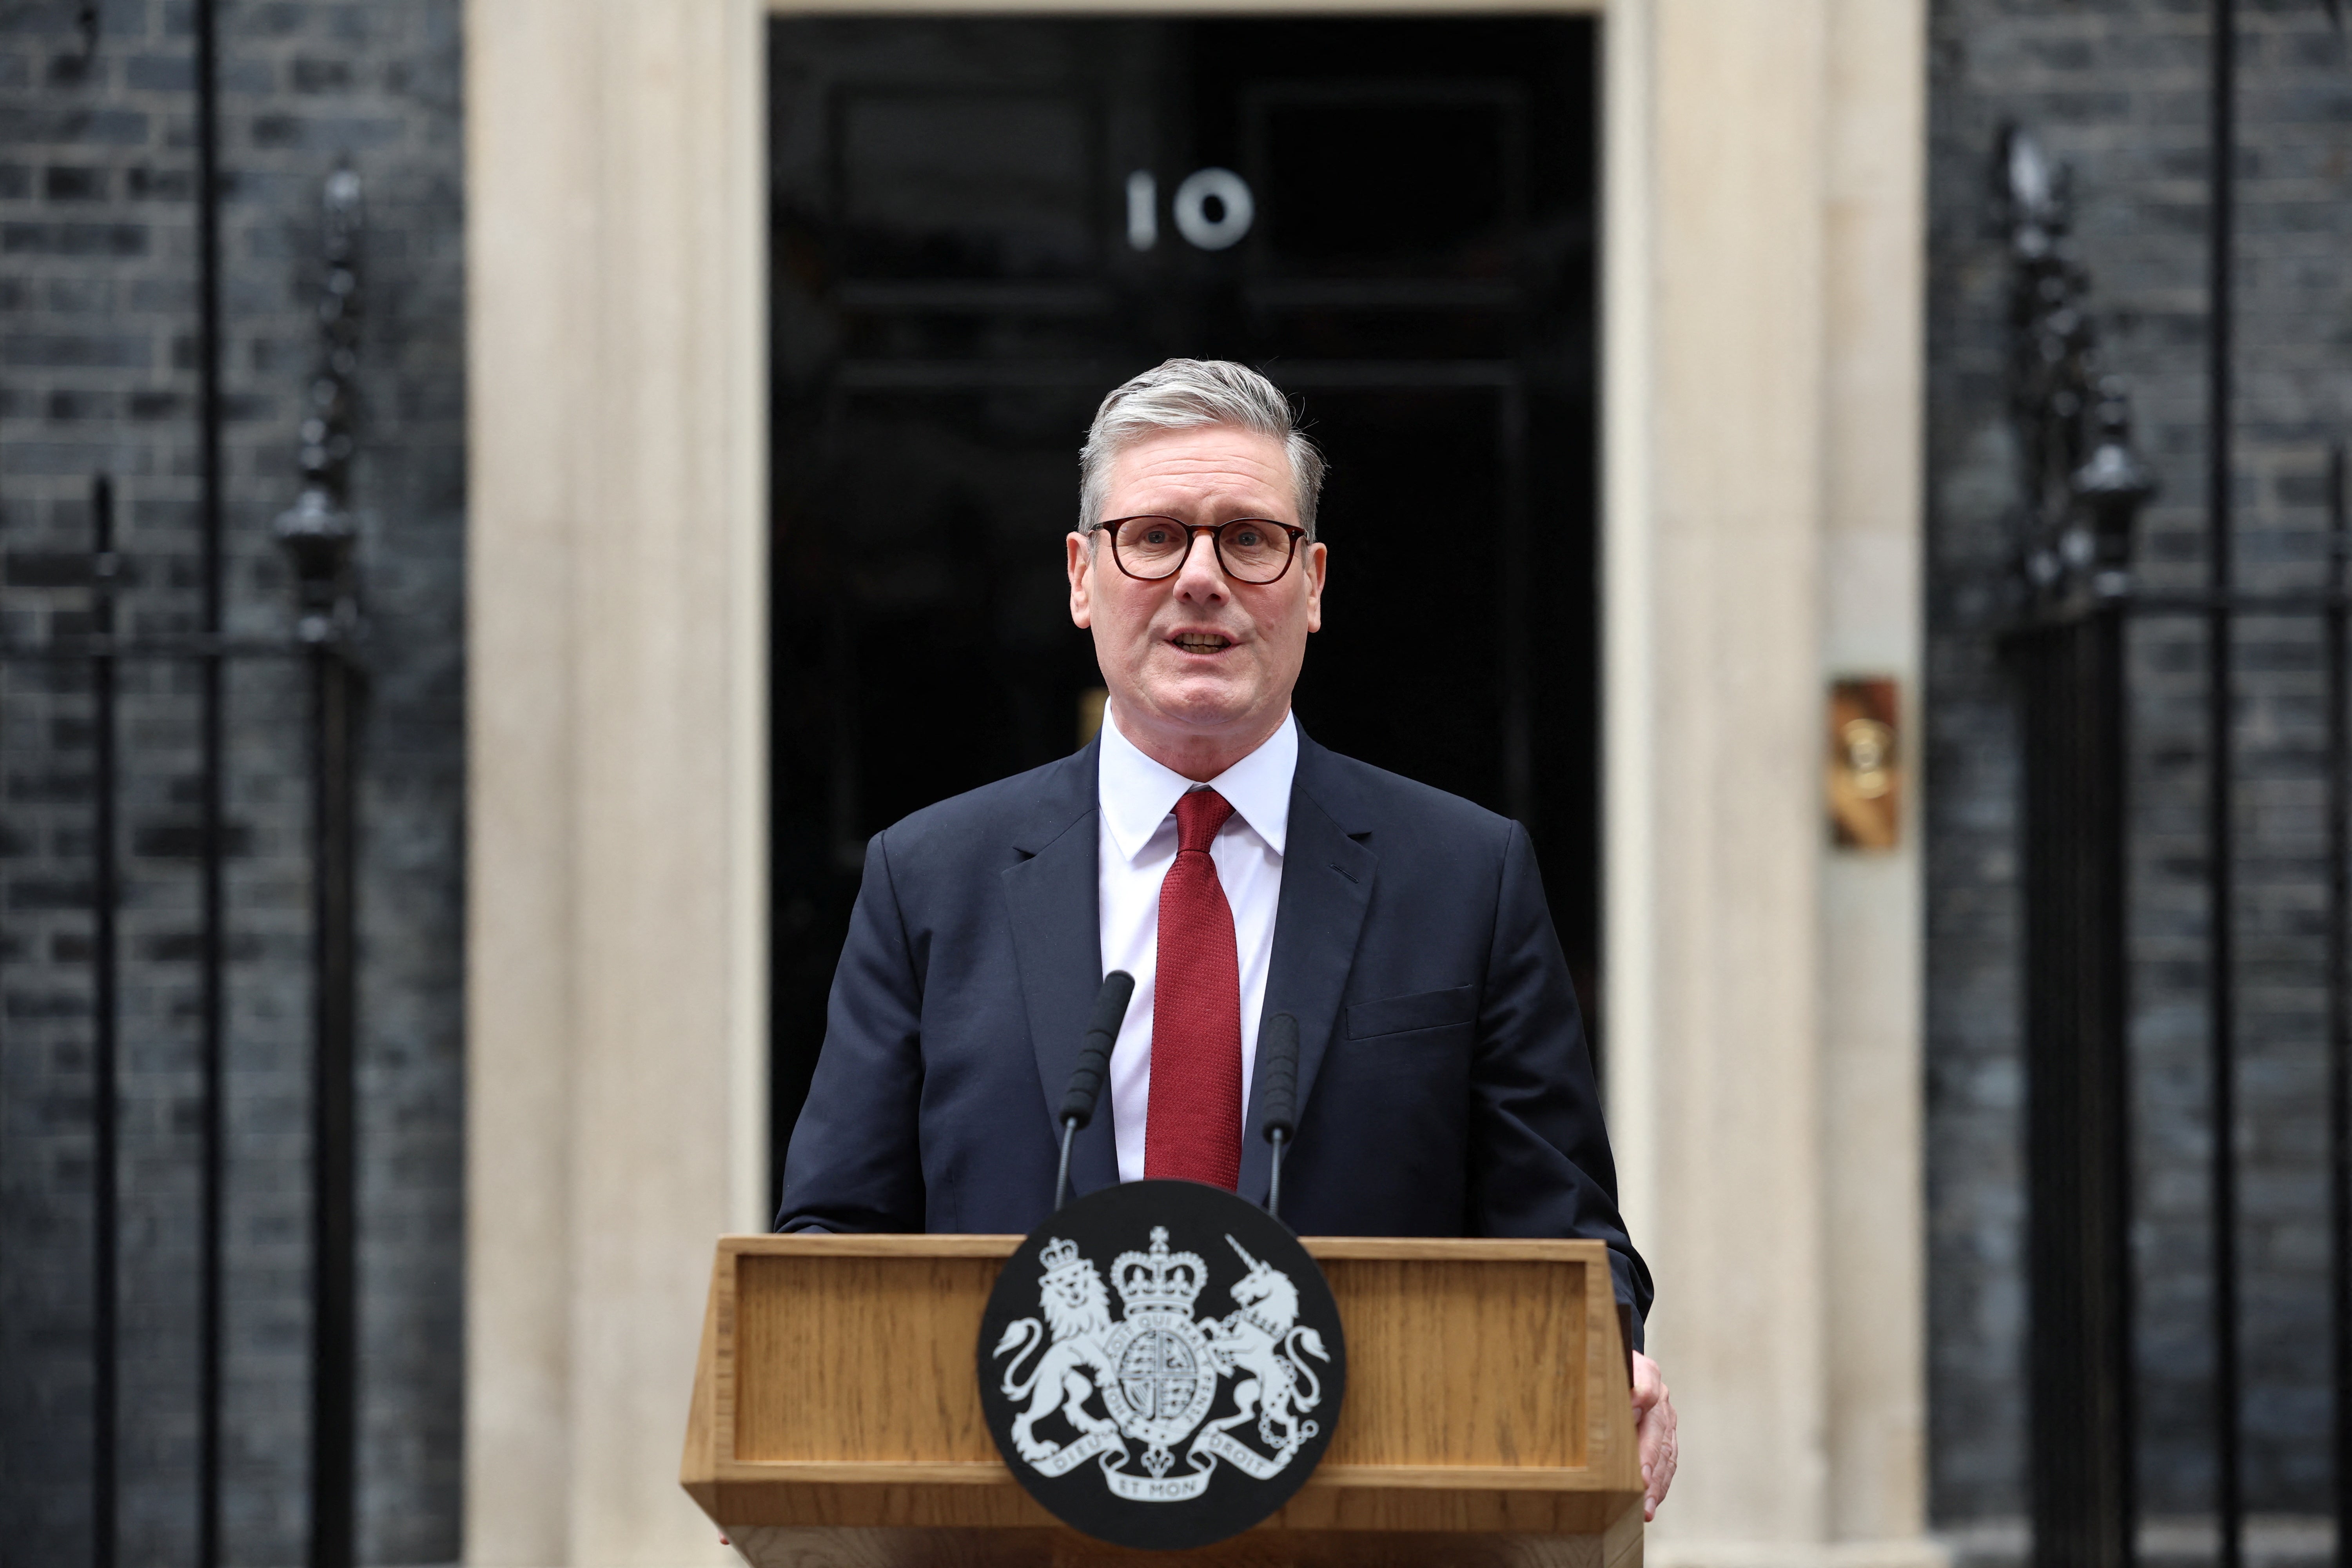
1318 564
1081 564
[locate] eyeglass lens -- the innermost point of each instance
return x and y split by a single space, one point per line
1252 551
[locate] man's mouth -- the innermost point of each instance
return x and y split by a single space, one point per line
1200 642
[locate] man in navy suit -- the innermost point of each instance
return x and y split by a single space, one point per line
1237 870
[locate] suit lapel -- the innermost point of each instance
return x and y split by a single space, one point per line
1054 895
1326 884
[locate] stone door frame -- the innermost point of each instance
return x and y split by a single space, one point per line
1764 173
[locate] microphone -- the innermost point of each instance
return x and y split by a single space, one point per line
1277 1062
1094 1066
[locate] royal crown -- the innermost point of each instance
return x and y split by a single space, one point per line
1159 1280
1059 1257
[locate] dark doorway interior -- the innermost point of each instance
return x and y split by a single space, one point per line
979 227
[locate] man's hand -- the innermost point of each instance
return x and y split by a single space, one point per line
1654 1433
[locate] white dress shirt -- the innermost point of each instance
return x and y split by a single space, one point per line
1138 845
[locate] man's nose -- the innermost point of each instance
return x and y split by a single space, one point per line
1203 576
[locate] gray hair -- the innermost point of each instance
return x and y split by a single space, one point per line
1184 393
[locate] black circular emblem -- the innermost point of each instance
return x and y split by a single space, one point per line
1161 1364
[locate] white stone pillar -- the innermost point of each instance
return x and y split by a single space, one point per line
1873 1008
1765 191
615 1031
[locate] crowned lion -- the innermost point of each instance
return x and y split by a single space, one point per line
1077 1321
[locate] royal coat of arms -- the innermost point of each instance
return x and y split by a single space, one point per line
1157 1397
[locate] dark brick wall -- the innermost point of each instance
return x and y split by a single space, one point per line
97 270
2117 87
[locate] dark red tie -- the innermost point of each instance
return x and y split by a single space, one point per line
1193 1126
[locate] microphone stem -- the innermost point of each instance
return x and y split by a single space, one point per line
1273 1175
1062 1177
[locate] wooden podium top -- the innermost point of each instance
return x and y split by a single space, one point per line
836 1394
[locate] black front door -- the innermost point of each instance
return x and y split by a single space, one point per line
980 226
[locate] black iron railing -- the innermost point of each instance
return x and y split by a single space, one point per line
318 536
2080 490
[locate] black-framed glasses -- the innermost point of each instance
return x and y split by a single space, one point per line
1255 550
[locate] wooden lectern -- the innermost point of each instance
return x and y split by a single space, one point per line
837 1418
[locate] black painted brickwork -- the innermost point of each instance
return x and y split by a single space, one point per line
2118 89
97 330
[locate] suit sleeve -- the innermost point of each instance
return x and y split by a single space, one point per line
855 1163
1540 1158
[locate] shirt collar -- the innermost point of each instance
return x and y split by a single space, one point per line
1137 794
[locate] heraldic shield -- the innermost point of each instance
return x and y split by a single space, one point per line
1161 1364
